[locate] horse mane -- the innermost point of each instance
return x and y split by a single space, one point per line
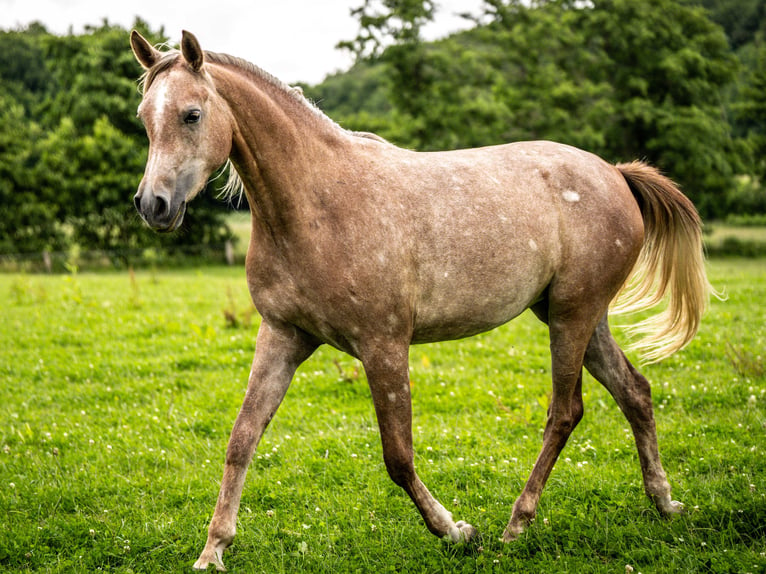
170 57
294 92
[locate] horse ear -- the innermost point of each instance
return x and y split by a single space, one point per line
145 53
192 51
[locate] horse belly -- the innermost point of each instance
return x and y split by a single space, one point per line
465 301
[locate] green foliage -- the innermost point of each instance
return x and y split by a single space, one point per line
751 109
741 19
72 150
119 393
381 21
29 220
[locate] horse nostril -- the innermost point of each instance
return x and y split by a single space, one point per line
137 202
160 206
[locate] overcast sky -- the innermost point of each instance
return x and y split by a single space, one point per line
292 39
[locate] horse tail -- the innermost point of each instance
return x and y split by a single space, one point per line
671 262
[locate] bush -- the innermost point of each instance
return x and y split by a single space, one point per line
72 151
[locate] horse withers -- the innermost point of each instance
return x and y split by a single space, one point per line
370 248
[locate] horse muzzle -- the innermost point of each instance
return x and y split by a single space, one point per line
160 211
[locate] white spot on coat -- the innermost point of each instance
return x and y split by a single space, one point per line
532 245
392 397
571 196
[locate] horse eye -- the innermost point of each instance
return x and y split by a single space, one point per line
193 117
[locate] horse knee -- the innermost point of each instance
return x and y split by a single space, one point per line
561 425
637 397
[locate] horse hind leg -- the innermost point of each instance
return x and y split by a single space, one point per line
569 336
608 365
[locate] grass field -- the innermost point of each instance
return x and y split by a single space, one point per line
118 392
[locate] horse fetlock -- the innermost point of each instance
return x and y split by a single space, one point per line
210 556
466 531
220 536
519 521
668 507
658 490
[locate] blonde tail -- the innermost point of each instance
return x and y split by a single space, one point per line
671 263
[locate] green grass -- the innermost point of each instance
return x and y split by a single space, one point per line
117 396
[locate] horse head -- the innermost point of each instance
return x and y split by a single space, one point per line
189 128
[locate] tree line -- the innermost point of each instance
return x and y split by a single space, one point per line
72 151
681 84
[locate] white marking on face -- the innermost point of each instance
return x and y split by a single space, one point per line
160 98
618 243
571 196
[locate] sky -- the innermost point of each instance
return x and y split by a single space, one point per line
292 39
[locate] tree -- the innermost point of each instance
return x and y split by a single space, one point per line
740 19
71 149
750 111
669 66
28 221
398 23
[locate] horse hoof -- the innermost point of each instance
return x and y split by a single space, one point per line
206 559
514 530
510 535
466 531
667 507
673 508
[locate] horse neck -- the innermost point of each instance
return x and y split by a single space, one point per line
280 143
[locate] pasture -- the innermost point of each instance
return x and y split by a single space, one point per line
118 392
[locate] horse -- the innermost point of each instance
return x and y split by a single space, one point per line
370 248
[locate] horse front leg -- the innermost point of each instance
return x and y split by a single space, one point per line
387 372
279 351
